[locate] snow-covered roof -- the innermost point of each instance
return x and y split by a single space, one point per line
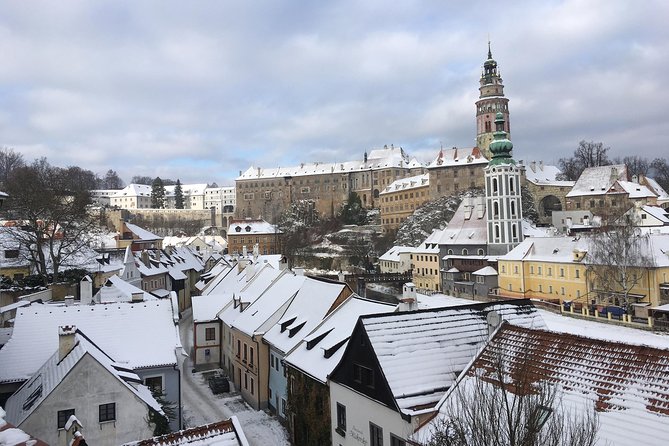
264 307
530 230
393 254
249 226
545 175
660 213
598 180
45 380
134 190
14 306
188 190
141 233
561 249
655 186
251 286
306 310
407 184
377 159
439 300
137 335
467 226
442 341
320 352
117 290
206 308
222 433
635 190
625 383
485 271
458 157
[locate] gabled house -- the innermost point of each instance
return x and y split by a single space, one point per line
142 336
137 238
308 365
13 258
250 363
623 382
115 412
396 260
397 367
315 299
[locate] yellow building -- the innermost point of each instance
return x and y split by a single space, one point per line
557 269
425 266
401 198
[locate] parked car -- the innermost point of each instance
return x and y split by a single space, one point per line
219 384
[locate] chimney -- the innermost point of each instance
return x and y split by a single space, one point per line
66 340
635 179
245 251
283 263
145 258
86 290
256 251
341 276
157 251
533 166
137 297
69 301
242 263
409 301
250 271
298 271
541 165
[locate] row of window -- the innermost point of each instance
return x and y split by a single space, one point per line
106 412
375 432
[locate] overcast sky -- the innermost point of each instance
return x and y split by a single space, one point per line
199 90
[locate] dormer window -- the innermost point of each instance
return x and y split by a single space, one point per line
247 229
238 229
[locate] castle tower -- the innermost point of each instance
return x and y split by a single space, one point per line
503 195
491 101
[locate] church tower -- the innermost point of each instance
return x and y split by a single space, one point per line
491 101
503 195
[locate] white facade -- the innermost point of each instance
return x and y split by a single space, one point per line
503 207
84 389
207 351
361 413
222 198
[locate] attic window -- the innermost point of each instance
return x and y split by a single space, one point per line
294 330
247 229
238 229
33 397
312 343
285 324
328 352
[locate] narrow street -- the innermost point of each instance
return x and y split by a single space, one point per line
201 406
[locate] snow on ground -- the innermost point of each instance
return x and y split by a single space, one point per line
259 427
603 331
201 406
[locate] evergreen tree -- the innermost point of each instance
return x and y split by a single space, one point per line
157 194
353 213
178 196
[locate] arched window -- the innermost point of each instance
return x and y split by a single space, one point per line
514 232
495 209
494 185
513 208
511 184
465 252
480 252
450 252
496 231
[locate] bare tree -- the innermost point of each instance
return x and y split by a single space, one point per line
618 260
660 169
636 165
51 206
9 160
588 154
509 406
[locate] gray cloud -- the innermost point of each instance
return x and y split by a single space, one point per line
203 90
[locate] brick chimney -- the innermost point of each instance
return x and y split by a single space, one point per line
66 340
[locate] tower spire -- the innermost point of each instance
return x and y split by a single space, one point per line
489 51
